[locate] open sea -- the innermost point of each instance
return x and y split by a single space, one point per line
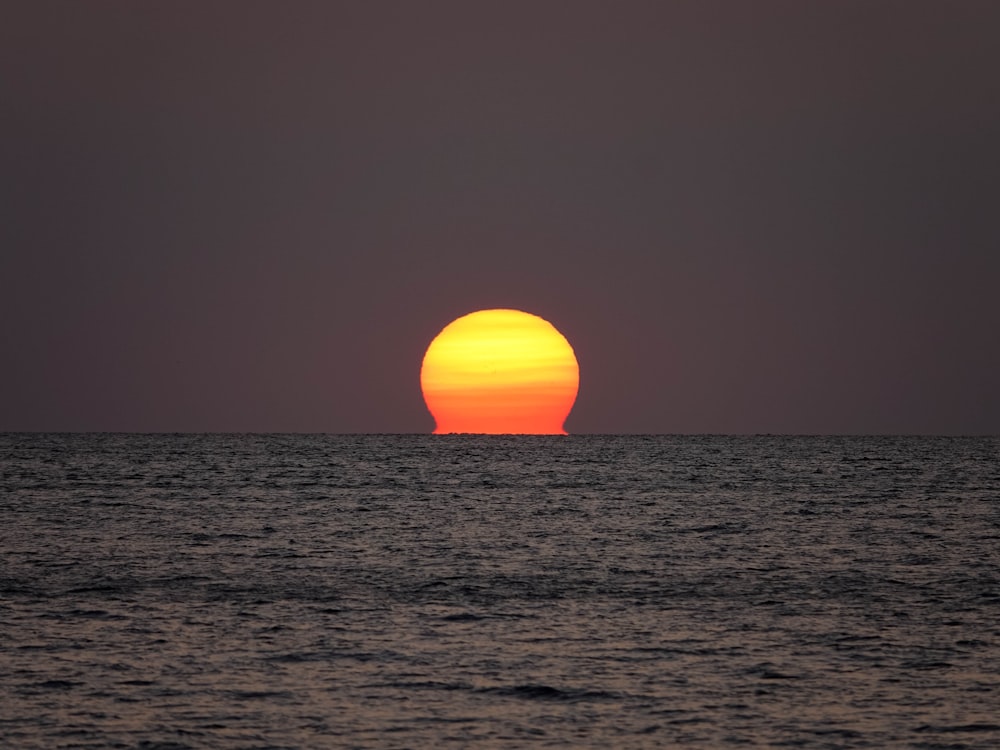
165 592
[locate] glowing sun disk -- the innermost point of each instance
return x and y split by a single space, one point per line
500 371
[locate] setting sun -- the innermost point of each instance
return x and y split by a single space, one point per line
500 372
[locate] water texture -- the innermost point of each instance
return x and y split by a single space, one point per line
309 591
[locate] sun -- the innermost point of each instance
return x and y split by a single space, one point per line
500 372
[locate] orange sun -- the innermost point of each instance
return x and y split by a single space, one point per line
500 372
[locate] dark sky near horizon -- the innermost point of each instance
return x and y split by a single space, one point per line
745 217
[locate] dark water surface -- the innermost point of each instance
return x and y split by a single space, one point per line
293 591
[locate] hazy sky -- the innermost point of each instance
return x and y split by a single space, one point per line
745 216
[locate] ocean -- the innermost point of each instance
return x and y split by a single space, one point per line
167 592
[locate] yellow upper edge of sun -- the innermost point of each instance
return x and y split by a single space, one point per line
500 372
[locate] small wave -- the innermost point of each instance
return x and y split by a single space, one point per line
58 684
85 614
927 664
979 727
716 528
294 658
463 617
426 685
533 691
164 745
245 695
99 588
769 672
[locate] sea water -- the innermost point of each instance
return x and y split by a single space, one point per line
310 591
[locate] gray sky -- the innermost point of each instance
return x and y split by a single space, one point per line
745 217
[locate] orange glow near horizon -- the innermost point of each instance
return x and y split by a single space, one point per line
500 372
